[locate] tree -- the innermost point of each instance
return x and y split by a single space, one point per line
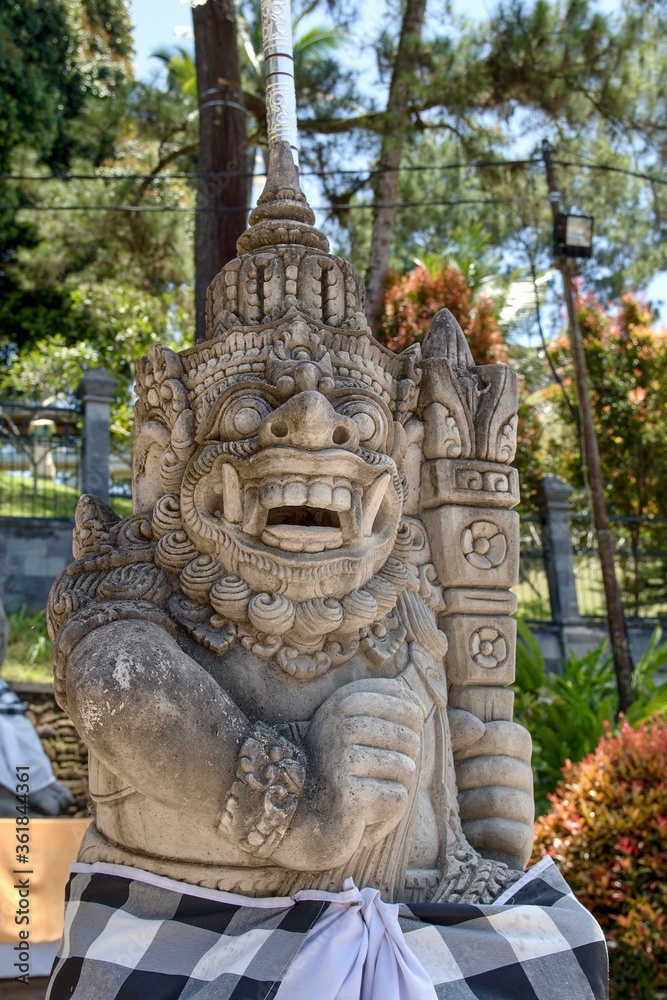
395 126
88 286
593 84
412 300
627 367
224 191
64 72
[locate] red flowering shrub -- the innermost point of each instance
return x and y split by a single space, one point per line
410 303
607 832
412 300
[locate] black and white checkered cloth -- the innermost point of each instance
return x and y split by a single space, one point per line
10 703
130 935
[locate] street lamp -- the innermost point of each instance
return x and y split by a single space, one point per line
573 235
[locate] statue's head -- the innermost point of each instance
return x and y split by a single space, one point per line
280 439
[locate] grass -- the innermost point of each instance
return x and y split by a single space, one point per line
19 498
29 652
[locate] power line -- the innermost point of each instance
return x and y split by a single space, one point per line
223 175
610 169
370 171
248 208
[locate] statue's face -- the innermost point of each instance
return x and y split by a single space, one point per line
294 488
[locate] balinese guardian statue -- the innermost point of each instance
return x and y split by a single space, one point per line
291 664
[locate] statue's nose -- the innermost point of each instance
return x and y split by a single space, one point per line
308 420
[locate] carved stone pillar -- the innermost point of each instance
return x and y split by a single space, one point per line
554 500
467 491
96 392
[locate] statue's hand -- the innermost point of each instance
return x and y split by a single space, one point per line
495 784
362 745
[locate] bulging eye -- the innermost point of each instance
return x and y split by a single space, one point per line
370 420
243 416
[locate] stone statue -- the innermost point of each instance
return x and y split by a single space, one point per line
291 664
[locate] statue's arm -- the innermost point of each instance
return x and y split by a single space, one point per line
153 716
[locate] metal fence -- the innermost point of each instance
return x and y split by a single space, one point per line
532 590
640 554
40 461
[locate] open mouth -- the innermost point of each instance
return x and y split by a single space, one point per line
303 513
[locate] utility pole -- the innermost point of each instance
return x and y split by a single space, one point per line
224 182
591 456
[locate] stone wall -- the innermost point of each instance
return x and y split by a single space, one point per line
32 553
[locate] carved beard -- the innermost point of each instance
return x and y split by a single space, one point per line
306 638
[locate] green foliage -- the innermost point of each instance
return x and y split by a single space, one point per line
54 56
22 497
626 358
566 713
29 651
607 831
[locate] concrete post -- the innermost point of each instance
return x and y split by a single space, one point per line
96 392
553 500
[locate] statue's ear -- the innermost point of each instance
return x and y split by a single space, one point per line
150 448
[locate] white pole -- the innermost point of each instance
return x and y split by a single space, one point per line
279 63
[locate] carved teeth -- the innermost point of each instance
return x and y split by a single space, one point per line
320 495
272 495
350 520
293 538
233 508
357 509
254 515
373 497
295 494
341 498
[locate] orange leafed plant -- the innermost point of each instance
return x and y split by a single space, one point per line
412 300
607 832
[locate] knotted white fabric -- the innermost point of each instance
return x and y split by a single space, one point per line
355 951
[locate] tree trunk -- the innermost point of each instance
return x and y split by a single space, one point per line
393 136
220 218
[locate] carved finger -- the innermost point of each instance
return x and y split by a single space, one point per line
386 765
382 686
497 802
500 836
382 802
508 738
494 770
397 710
465 729
366 730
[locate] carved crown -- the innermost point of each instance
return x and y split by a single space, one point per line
285 296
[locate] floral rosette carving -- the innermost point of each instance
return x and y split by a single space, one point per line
488 647
484 545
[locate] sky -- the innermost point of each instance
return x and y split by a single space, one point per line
161 23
